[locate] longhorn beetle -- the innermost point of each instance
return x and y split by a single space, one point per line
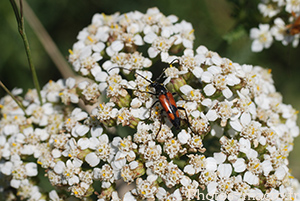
165 98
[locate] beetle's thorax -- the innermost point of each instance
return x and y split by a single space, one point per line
159 88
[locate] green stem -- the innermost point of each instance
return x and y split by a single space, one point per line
21 28
13 97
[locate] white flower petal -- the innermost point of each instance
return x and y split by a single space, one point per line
227 92
59 167
225 170
206 77
251 178
212 188
280 172
164 56
105 184
109 51
83 143
53 195
150 37
189 170
7 168
256 46
118 164
206 102
56 153
136 103
212 115
197 71
70 82
209 89
267 167
245 118
101 76
15 183
138 40
220 157
102 86
31 169
239 165
211 164
73 180
117 45
152 52
128 196
92 159
236 125
81 130
98 47
186 89
201 49
232 80
183 136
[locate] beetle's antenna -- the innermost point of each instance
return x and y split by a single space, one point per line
131 71
170 65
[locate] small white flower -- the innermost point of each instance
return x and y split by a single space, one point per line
216 81
160 45
292 6
145 188
268 10
279 30
126 149
262 37
208 57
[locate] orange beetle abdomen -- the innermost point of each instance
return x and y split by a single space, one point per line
168 103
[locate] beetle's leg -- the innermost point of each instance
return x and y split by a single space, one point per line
153 103
151 109
161 117
187 118
175 93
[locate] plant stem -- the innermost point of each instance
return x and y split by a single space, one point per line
13 97
21 28
47 42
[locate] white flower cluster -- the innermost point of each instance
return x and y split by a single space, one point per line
234 138
284 24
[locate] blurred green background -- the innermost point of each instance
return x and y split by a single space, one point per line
222 26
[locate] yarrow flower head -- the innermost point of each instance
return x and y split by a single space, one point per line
207 124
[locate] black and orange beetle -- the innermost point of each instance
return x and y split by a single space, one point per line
165 98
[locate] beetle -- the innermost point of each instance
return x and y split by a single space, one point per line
165 98
294 28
